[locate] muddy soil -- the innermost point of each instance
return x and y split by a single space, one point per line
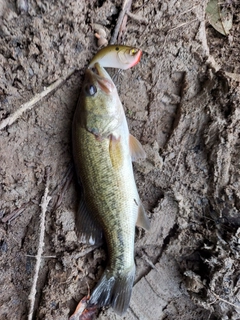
181 102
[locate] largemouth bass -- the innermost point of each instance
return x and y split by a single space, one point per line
110 206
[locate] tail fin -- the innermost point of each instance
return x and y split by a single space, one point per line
114 290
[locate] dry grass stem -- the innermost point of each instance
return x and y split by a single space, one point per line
44 204
28 105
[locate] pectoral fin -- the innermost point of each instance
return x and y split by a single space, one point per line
88 228
136 149
142 219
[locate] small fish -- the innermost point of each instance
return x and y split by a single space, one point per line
117 56
110 205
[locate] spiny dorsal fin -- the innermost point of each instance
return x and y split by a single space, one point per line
136 149
142 219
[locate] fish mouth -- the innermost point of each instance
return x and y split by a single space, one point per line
99 69
100 76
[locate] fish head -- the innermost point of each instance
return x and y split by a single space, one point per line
101 109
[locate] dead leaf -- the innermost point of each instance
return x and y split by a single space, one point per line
220 16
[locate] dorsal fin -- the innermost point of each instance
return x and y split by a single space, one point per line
136 149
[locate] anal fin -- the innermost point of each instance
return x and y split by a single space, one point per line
88 229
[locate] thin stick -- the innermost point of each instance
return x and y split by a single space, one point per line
182 24
176 164
85 252
125 7
11 216
190 9
145 257
43 257
137 18
223 300
44 204
28 105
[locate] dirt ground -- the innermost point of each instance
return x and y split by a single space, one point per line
181 102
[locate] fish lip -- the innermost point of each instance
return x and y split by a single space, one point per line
99 70
101 73
101 78
95 70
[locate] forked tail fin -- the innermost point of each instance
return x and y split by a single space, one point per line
114 290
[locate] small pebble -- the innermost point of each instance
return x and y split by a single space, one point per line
22 6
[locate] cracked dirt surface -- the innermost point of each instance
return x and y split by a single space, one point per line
180 104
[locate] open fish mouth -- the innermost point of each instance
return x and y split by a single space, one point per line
99 71
99 75
96 70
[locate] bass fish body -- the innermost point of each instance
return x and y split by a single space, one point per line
110 206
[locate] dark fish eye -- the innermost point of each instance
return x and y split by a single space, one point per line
91 90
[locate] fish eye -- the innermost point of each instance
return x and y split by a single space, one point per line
90 90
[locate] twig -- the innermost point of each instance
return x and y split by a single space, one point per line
85 252
14 214
188 10
28 105
182 24
176 164
137 18
43 257
44 204
125 7
223 300
146 258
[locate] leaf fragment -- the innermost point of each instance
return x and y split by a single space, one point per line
220 16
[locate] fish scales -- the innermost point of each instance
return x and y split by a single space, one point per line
107 195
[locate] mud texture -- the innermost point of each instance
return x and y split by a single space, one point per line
181 102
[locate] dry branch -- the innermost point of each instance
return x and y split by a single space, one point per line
28 105
44 204
120 21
